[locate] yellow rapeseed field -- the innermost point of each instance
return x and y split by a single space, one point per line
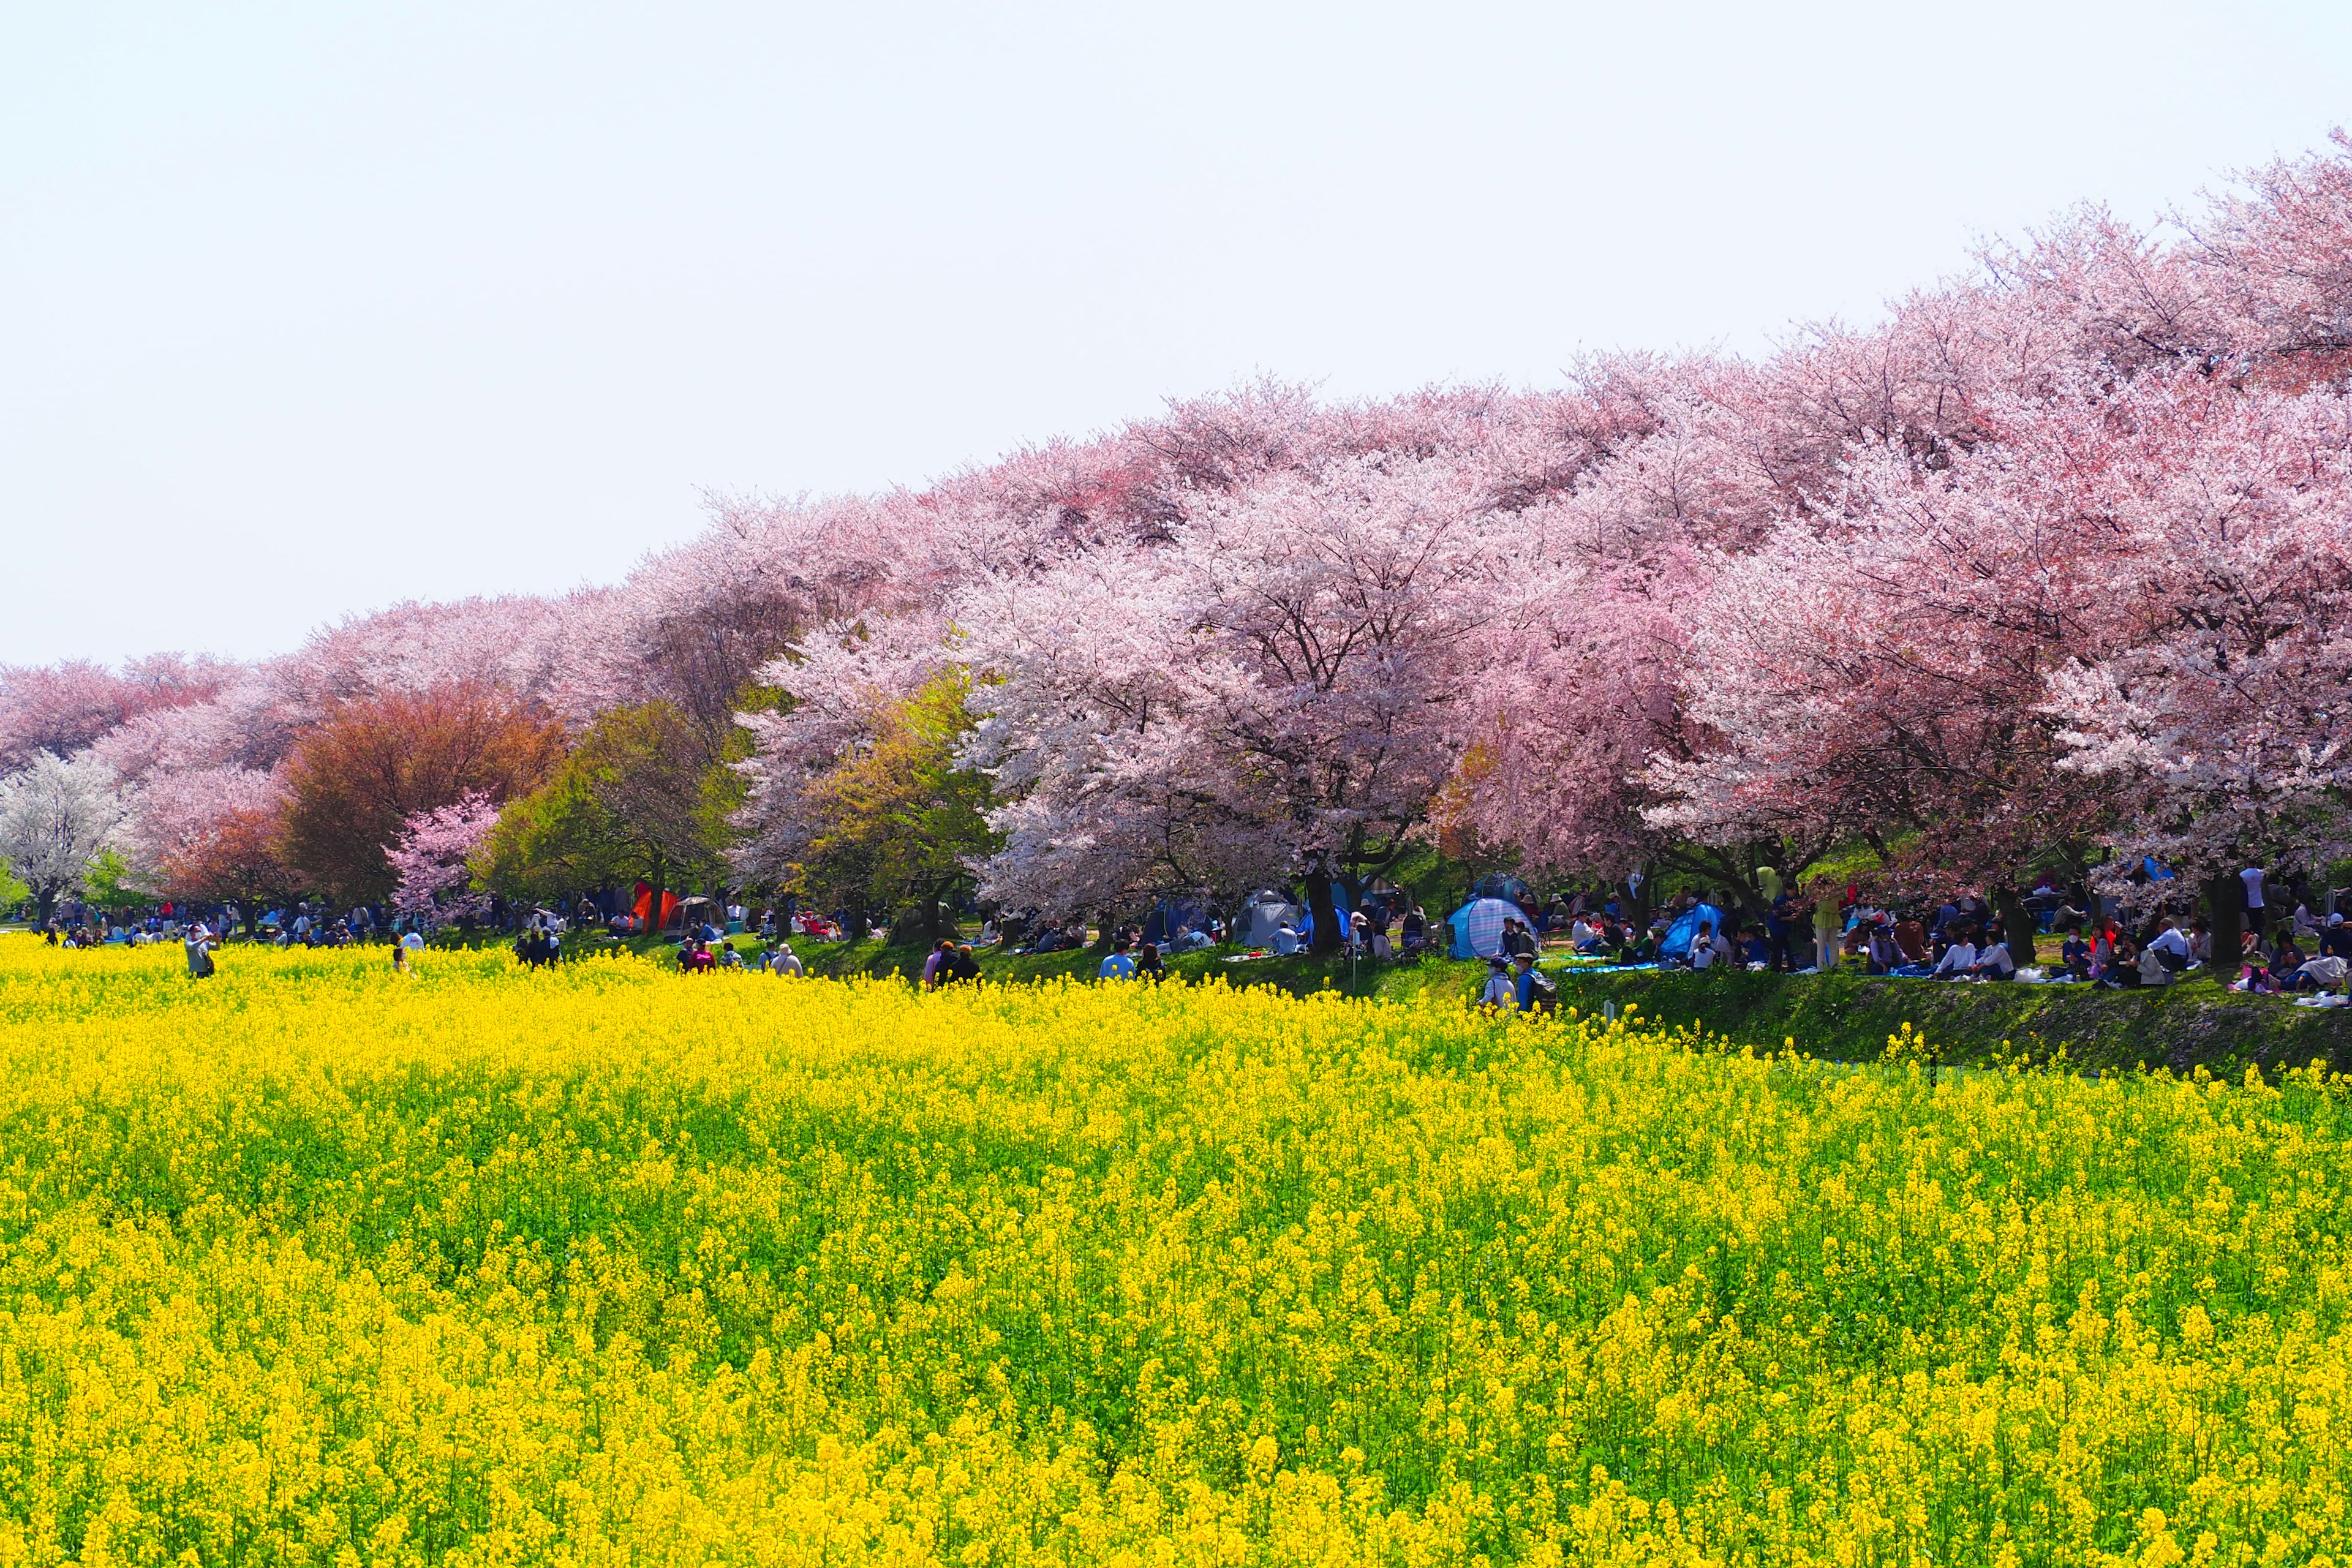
310 1262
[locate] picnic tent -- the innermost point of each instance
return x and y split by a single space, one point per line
1478 927
1266 910
1501 885
1676 946
1167 914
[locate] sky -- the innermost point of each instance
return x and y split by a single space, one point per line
306 309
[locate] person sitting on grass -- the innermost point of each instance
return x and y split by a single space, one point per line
2074 954
1755 951
1959 958
2335 938
2170 945
1117 966
1993 961
2325 972
1705 946
1285 941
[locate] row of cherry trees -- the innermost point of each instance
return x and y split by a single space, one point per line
2054 564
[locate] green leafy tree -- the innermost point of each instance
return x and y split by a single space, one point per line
637 800
897 823
107 883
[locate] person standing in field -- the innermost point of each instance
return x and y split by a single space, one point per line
784 961
200 952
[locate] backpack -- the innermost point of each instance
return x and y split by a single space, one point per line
1547 991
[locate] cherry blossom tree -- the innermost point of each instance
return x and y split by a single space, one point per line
55 816
432 859
66 707
210 834
1272 693
2216 714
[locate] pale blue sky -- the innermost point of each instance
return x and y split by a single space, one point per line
305 309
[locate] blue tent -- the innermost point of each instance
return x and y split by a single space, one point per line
1170 913
1676 946
1478 927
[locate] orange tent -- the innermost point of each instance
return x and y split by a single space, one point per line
644 907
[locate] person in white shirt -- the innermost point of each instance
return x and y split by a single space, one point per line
1702 947
1993 961
1958 960
2169 940
2253 878
1284 940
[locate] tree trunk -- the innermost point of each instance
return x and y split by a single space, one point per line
1326 914
2016 925
1106 931
654 900
47 903
2225 905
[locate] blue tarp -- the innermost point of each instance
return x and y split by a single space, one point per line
1676 946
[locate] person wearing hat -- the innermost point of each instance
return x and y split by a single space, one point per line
1523 983
2335 938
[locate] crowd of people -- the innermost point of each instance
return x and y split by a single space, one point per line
2296 939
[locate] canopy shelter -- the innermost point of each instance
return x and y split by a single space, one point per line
1478 927
695 910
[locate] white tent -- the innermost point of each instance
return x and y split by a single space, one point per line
1266 910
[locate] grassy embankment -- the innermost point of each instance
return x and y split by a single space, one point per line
2187 1026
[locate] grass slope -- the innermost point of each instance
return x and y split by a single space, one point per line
2190 1025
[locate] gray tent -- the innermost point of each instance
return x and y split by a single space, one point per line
1266 910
